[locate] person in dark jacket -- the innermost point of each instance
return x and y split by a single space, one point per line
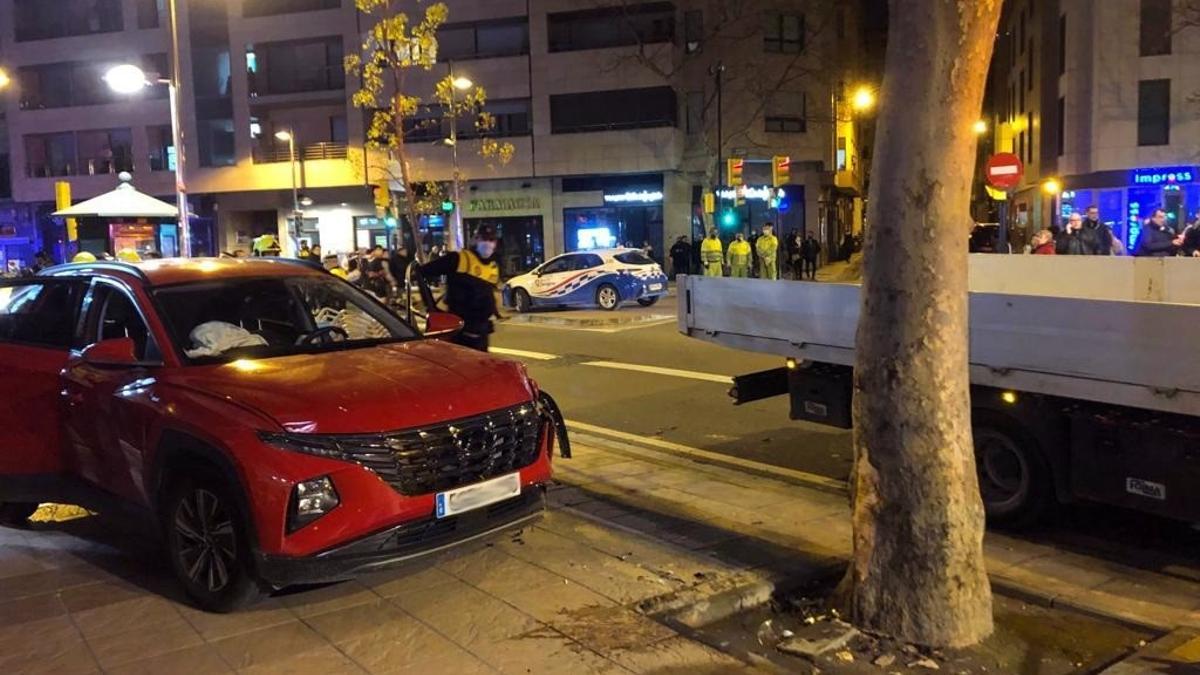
1157 239
681 253
1099 235
794 240
1191 238
810 250
472 277
1074 240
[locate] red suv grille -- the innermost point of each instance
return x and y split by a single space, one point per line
450 455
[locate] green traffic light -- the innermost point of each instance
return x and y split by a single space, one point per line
447 206
729 218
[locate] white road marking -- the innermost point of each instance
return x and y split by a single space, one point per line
705 455
690 374
520 353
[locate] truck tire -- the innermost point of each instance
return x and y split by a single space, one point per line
1015 480
16 514
207 544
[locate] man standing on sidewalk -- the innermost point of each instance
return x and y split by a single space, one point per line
768 253
739 257
810 250
712 255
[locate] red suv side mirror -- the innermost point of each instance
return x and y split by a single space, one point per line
442 325
113 353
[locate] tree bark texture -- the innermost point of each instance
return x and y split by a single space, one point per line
918 569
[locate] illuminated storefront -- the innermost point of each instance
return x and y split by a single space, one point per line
1127 198
629 212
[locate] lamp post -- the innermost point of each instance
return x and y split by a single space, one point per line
130 79
5 80
290 137
456 84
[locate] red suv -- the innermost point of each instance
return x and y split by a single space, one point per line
280 425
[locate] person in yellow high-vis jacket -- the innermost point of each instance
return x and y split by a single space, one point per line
739 257
767 248
712 255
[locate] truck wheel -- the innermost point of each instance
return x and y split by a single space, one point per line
1014 478
16 514
647 302
207 545
607 297
521 301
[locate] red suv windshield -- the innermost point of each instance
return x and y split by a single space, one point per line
273 316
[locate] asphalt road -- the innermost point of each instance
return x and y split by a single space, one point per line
690 408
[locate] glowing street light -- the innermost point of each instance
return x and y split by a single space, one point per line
126 79
1052 186
284 135
863 99
980 127
462 83
5 80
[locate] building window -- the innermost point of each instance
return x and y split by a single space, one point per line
1154 112
297 66
783 33
609 110
253 8
626 25
161 146
78 83
1155 35
695 112
490 39
788 113
337 130
693 31
512 117
1062 126
151 13
82 153
46 19
1062 44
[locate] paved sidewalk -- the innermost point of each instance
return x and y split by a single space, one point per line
92 595
788 527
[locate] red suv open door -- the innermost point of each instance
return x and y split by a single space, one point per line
38 326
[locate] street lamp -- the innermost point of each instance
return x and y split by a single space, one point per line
130 79
863 100
456 84
287 135
5 80
980 127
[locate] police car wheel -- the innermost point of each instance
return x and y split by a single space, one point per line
607 297
521 301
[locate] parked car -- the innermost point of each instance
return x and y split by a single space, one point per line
603 278
278 424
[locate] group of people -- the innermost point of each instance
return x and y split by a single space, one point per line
1086 234
756 256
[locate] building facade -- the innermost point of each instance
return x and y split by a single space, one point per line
1098 99
613 111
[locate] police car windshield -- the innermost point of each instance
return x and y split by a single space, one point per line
216 321
634 258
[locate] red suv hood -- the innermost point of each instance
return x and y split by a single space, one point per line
384 388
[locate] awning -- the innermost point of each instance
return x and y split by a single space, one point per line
123 202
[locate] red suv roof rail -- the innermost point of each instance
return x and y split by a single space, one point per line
99 265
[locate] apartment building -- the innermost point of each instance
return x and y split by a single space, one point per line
613 111
1098 99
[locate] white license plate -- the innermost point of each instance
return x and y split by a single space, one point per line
654 287
474 496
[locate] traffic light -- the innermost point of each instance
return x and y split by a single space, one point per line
729 218
781 170
735 171
447 206
710 202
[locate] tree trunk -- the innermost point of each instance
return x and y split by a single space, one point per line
400 151
918 570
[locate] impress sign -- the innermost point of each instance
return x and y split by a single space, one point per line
1164 176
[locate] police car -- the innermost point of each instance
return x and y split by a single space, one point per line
602 278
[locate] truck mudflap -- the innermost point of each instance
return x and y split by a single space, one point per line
822 393
758 386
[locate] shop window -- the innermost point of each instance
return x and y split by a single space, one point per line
1155 33
521 246
1154 112
611 110
783 33
47 19
597 228
626 25
485 39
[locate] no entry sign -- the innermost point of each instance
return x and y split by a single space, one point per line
1004 171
